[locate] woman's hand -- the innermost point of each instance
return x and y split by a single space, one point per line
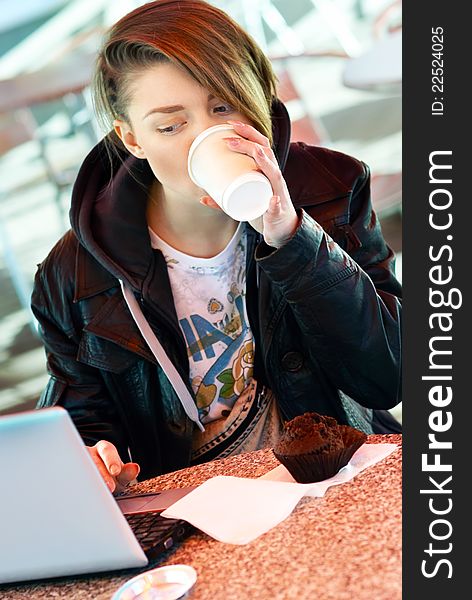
117 475
280 221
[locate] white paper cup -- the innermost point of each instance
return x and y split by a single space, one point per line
230 178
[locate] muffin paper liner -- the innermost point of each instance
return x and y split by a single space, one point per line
311 467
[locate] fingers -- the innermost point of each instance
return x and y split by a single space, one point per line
129 472
104 472
116 474
250 148
268 167
249 132
110 457
265 160
280 221
263 155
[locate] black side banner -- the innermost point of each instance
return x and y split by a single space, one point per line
437 370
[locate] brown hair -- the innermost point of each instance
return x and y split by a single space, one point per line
195 36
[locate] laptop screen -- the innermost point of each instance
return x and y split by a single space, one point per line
57 516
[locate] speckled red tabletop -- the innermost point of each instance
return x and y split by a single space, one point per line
344 546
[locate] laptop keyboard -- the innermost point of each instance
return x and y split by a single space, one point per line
155 533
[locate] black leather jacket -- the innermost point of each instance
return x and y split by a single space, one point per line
324 308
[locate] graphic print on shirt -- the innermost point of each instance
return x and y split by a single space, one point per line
209 297
228 341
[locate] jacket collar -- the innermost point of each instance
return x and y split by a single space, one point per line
90 277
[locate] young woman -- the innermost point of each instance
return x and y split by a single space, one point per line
263 321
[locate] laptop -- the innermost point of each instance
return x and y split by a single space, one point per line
58 517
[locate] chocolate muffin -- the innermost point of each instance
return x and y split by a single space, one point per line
314 447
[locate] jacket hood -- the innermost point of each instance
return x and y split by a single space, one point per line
108 206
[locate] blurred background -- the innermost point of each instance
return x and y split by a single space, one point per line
339 69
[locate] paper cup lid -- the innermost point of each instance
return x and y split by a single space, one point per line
197 141
164 583
247 197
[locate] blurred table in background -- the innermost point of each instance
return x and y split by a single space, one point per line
378 69
68 75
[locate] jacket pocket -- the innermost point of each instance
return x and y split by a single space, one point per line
334 218
52 393
345 236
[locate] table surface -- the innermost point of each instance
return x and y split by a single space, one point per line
343 546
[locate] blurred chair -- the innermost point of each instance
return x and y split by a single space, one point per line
19 127
13 133
64 80
57 91
16 130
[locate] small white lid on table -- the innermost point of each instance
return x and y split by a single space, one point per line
163 583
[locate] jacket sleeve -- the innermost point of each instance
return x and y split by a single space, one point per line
347 305
76 387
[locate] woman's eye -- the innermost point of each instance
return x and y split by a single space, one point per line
170 129
223 108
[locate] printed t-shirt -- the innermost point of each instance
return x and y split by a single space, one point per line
209 297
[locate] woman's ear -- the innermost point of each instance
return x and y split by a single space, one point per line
126 135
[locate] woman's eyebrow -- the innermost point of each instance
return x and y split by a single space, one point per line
170 109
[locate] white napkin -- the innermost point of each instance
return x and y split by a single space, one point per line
237 510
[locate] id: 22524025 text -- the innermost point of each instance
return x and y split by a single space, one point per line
437 71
